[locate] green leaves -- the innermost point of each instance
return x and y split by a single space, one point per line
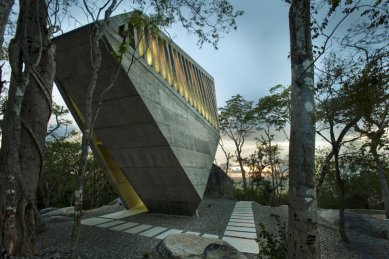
274 109
237 117
273 244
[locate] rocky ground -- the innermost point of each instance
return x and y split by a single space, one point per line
369 237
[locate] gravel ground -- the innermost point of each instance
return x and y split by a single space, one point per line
331 245
212 218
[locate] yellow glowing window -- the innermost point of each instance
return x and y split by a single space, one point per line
205 95
179 73
155 52
184 82
195 85
140 41
210 98
168 64
149 57
174 70
162 60
202 92
192 86
188 81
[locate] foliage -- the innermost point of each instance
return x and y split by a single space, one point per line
360 178
59 114
236 120
274 109
56 184
272 113
261 193
273 245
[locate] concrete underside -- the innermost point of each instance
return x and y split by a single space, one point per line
146 135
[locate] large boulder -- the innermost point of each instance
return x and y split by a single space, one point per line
66 212
356 222
219 185
179 246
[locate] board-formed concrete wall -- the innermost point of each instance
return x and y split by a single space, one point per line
156 145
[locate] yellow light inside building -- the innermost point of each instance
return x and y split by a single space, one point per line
155 53
140 42
162 60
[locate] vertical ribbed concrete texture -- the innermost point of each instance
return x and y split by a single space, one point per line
155 140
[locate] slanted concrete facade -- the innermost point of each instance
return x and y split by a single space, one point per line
157 131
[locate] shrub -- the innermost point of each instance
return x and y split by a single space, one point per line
273 245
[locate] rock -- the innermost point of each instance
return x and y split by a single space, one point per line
116 201
178 246
219 185
41 224
216 251
356 222
46 210
329 216
55 219
67 212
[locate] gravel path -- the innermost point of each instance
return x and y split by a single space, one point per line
213 218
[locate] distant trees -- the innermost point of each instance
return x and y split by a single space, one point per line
56 184
272 113
236 121
375 121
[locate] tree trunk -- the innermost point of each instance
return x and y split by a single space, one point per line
342 198
5 10
326 165
25 128
243 176
86 138
381 177
303 238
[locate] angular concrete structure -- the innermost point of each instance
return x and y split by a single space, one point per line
157 131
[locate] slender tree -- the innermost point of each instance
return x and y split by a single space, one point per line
5 10
227 154
303 237
337 115
237 122
272 113
375 120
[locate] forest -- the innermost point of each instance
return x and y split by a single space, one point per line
339 93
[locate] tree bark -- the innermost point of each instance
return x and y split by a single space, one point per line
326 165
25 126
86 138
342 197
5 10
238 154
381 177
303 237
